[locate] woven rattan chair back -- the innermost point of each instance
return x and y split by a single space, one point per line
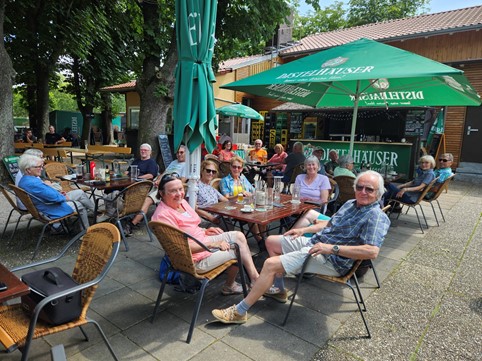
215 183
224 169
345 183
99 247
53 170
28 203
175 244
134 197
9 196
94 253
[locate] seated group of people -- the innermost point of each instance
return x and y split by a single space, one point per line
356 232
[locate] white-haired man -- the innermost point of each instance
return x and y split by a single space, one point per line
356 231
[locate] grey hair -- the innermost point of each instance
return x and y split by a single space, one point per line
28 161
146 145
427 158
35 152
312 159
344 160
449 156
298 145
381 184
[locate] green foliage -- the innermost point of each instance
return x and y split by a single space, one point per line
330 18
371 11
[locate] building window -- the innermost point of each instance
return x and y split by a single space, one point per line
133 121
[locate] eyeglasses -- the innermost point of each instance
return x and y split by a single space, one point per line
145 150
237 166
38 166
212 171
368 190
443 160
180 152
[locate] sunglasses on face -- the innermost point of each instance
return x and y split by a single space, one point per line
212 171
237 166
368 190
443 160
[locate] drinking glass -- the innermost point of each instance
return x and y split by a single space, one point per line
133 171
295 195
79 168
269 198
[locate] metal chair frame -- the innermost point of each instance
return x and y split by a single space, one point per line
443 186
346 280
176 245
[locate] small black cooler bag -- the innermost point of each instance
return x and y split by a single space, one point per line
46 282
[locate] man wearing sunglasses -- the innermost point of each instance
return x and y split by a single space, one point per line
356 231
443 172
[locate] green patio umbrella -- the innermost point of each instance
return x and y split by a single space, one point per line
194 110
239 110
195 120
363 73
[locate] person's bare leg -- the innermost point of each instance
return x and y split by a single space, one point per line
306 219
271 267
145 208
231 275
246 257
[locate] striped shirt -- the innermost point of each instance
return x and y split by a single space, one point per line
353 226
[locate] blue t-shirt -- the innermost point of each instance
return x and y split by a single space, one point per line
147 166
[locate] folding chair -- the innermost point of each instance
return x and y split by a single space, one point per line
414 205
344 280
176 245
434 197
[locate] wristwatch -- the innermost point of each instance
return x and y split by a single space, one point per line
335 249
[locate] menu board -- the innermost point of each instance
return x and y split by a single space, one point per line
11 163
414 123
165 150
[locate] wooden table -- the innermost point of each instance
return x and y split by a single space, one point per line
87 154
263 218
16 288
115 184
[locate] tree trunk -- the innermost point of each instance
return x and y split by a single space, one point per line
106 116
155 86
7 74
42 92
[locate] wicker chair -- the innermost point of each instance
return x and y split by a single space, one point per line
132 198
347 192
176 245
13 203
53 170
394 201
344 280
99 247
224 169
26 199
434 197
215 183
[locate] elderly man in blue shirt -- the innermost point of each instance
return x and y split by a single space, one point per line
356 231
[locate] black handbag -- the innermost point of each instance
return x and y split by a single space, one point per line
46 282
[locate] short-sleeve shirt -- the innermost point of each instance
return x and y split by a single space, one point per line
177 167
279 158
187 222
52 138
312 190
207 195
227 185
343 171
260 154
424 177
353 226
146 166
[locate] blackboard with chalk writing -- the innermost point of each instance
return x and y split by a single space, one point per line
165 149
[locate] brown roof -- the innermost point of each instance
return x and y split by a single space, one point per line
423 25
119 88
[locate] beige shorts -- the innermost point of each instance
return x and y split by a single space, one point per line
219 257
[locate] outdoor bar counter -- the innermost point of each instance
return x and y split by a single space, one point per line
395 154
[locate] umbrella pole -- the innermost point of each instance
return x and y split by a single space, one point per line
194 167
355 115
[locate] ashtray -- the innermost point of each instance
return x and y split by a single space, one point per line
246 210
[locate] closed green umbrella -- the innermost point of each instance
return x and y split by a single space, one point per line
194 110
363 73
194 115
239 110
